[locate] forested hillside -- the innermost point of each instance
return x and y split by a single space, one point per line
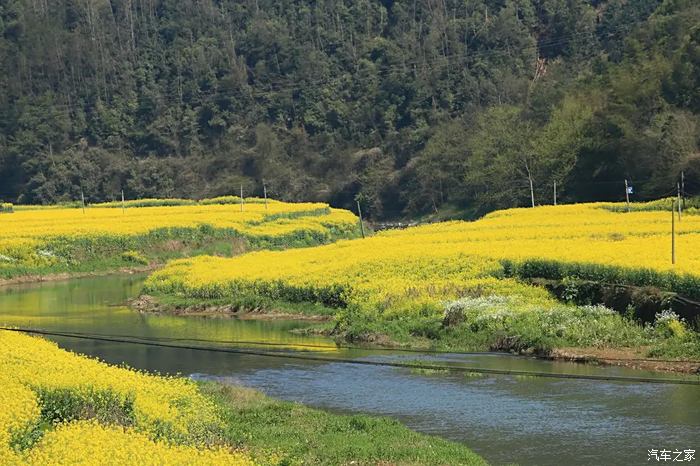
413 105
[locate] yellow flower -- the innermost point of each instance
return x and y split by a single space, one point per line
158 412
91 443
25 234
417 269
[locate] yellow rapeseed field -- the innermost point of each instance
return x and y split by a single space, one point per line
41 223
161 420
420 268
26 235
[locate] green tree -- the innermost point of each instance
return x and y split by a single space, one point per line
504 165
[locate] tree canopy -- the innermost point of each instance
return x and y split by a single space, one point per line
411 105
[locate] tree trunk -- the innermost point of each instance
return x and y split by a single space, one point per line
532 187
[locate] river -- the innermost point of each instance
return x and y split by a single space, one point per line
506 419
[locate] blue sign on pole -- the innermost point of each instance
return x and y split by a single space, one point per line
630 190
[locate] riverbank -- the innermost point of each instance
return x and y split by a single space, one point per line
522 336
61 406
520 280
55 277
298 434
633 358
147 304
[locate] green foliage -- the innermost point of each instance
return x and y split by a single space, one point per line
59 405
67 404
135 257
414 106
6 207
667 324
233 200
691 205
110 252
510 325
684 284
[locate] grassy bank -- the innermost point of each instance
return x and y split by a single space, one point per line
66 240
302 435
406 283
486 323
59 407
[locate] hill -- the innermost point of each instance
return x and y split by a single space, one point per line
413 105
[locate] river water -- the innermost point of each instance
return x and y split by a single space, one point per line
506 419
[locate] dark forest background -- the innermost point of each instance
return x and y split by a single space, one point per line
416 106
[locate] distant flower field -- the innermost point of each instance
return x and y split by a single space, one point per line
37 239
417 269
61 408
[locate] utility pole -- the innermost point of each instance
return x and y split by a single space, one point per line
673 233
555 192
627 195
359 214
679 201
82 197
265 194
683 187
241 197
123 205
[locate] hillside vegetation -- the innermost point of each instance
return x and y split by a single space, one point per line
413 105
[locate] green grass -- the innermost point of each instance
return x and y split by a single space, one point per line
284 433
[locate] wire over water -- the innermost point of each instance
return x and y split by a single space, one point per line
288 355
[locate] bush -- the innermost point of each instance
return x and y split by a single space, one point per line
684 284
69 404
690 205
134 257
669 325
6 207
234 200
511 324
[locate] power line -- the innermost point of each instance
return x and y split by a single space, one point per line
286 345
348 347
462 369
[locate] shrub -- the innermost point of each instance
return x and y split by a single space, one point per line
669 324
70 404
511 324
134 257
